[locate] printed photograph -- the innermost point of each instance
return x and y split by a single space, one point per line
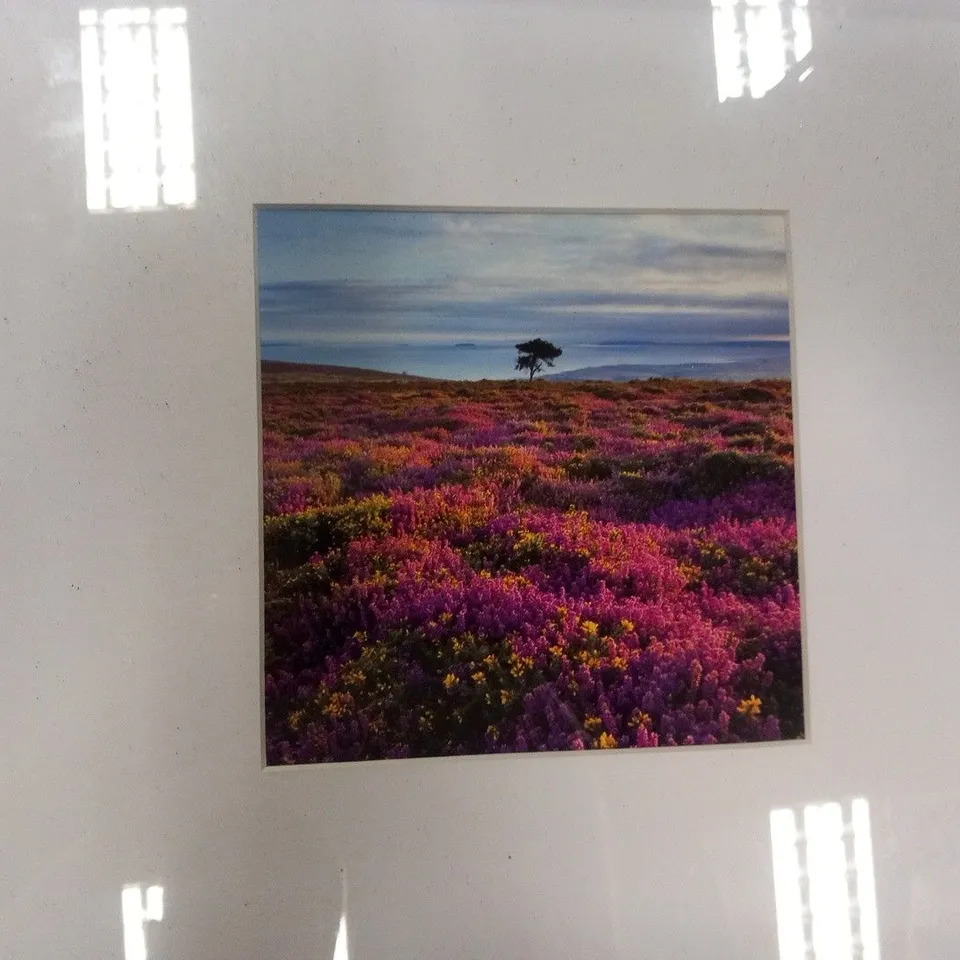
528 482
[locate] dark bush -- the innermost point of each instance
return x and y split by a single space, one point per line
750 428
588 468
757 395
291 540
724 470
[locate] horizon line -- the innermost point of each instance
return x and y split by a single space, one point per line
560 377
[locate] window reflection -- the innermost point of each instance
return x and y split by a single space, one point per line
757 43
824 882
137 110
340 950
137 909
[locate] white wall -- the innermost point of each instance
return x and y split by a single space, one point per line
128 487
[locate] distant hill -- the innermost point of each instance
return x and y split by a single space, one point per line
326 371
755 369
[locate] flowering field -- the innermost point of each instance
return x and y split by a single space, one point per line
481 567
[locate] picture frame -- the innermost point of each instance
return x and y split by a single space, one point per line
364 307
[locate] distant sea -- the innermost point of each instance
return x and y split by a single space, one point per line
720 359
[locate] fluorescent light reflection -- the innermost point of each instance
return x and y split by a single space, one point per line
824 882
137 909
757 42
866 892
788 885
340 950
827 879
137 108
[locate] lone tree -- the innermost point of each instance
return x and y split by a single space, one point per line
533 354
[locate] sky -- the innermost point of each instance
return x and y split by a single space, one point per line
451 292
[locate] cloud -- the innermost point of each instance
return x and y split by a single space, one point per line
343 311
478 276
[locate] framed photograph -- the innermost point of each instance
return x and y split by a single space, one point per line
442 581
528 481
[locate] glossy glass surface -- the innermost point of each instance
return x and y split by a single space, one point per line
135 818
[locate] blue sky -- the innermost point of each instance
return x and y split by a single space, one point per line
342 284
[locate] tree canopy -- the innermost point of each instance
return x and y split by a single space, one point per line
534 354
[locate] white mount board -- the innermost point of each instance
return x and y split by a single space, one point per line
129 491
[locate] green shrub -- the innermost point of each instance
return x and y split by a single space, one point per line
291 540
724 470
588 468
529 549
326 487
605 391
750 428
758 395
635 482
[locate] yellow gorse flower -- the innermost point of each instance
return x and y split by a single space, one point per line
338 705
607 741
520 665
640 719
751 706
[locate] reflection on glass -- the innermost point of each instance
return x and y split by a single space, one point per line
863 872
137 909
827 881
137 110
340 950
757 43
824 882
